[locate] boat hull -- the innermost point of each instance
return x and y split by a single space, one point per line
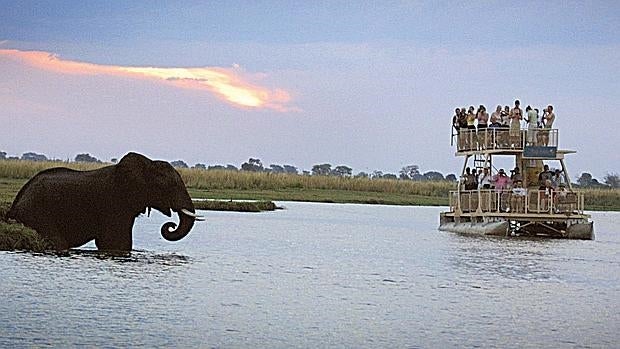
557 227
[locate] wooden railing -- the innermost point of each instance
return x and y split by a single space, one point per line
531 201
501 138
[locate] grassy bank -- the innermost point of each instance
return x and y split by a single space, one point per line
232 185
237 206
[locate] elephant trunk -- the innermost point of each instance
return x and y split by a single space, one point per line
187 216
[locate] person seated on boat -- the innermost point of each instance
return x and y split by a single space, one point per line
517 199
484 179
515 175
560 198
544 176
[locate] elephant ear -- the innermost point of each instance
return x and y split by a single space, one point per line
132 173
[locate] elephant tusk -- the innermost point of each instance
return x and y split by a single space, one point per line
199 219
191 214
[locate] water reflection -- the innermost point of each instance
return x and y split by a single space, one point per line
496 258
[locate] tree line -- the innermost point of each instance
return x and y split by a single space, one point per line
408 172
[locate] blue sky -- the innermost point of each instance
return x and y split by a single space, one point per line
373 84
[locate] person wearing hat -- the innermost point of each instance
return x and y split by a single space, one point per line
501 180
515 175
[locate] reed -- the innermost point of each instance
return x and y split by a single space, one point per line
239 180
19 169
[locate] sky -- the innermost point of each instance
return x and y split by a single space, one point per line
367 84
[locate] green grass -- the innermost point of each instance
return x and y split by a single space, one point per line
238 206
15 236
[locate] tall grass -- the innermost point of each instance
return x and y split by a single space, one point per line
19 169
200 179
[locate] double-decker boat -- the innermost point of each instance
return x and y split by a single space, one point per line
531 207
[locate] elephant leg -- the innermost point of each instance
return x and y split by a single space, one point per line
117 238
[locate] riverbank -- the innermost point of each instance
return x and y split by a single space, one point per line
261 186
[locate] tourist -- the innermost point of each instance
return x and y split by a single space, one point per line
506 117
548 117
516 114
469 180
483 120
547 121
484 179
496 117
515 174
501 181
517 199
471 128
544 176
557 179
532 124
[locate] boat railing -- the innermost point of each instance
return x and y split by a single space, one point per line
509 201
502 138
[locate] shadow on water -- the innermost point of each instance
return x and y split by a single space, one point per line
135 256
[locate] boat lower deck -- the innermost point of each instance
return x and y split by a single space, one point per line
566 226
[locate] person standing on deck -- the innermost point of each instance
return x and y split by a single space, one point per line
516 114
484 179
532 125
547 121
548 117
471 128
455 125
483 119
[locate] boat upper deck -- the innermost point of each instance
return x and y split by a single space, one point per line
538 143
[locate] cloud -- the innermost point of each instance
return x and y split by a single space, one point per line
228 84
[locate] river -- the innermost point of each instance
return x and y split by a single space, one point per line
319 275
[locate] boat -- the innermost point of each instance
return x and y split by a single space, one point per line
530 208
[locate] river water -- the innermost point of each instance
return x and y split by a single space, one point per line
319 275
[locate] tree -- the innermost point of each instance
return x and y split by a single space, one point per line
409 171
216 168
585 180
290 169
390 176
451 177
231 168
2 155
321 170
342 171
276 168
179 164
34 157
612 180
253 165
200 166
376 174
362 175
85 158
114 160
433 176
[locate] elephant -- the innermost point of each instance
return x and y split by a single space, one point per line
70 208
